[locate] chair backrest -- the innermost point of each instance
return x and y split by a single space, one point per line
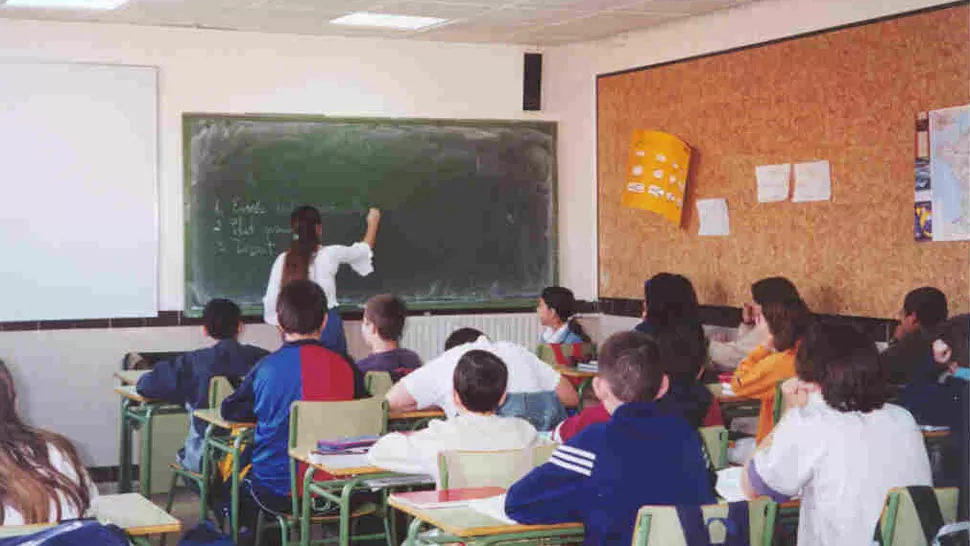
457 469
716 443
378 383
899 523
660 525
779 407
566 354
219 389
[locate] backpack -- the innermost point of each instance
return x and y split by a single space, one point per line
697 531
81 532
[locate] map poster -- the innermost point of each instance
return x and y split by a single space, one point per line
656 176
942 204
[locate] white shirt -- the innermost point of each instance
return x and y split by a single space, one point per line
323 270
62 464
548 335
431 384
417 453
842 465
727 355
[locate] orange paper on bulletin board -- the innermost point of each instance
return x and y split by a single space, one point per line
657 174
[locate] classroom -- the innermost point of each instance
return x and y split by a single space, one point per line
747 83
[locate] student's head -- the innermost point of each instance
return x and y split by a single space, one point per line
668 300
479 381
923 308
307 230
301 308
384 317
29 483
630 370
557 306
683 351
845 365
951 348
771 290
462 336
221 319
788 321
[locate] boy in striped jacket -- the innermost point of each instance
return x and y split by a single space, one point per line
643 455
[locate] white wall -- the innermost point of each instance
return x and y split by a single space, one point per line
569 91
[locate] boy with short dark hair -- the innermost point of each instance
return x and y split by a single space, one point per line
184 380
480 381
643 455
909 356
302 369
382 328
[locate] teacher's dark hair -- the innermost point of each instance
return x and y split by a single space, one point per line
304 222
845 364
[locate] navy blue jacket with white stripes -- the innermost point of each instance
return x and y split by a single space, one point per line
602 476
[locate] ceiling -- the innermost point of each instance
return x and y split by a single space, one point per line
532 22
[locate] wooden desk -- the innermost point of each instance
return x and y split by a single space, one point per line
138 412
586 380
331 464
429 413
232 446
138 516
130 377
462 522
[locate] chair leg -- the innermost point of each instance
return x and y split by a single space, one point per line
171 492
284 532
260 527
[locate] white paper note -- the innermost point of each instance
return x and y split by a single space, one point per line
773 182
812 182
729 484
713 214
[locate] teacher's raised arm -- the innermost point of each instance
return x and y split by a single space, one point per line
307 258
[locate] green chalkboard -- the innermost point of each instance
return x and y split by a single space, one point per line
469 207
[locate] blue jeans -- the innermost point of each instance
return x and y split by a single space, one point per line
542 409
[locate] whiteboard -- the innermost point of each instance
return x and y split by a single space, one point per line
78 213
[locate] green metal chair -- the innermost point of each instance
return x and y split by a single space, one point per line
900 525
716 443
309 423
660 526
458 469
378 383
779 408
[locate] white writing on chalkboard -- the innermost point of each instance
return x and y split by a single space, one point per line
239 233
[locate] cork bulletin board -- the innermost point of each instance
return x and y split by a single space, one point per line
850 96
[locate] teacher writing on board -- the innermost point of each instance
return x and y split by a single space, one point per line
308 259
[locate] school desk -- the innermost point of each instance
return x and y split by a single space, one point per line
138 412
586 379
138 516
733 407
412 420
240 433
130 377
464 524
347 478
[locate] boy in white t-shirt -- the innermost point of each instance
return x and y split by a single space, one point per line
431 384
479 380
839 446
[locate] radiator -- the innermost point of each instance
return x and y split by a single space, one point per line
426 335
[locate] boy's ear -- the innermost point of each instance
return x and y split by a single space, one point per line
239 328
664 387
457 400
205 331
502 400
941 352
601 388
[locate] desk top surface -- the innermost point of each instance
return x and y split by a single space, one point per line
463 521
132 512
214 416
416 414
129 392
573 372
338 465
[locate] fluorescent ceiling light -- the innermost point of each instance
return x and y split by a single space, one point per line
386 20
64 4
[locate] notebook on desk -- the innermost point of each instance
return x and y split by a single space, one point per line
448 498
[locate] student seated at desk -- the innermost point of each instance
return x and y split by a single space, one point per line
382 327
302 369
643 455
758 375
909 356
556 310
185 379
839 446
727 355
536 392
668 300
944 401
479 381
41 476
683 352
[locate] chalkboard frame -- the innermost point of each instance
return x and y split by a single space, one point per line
475 306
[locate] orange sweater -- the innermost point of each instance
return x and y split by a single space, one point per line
757 377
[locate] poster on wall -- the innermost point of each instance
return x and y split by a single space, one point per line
942 183
656 176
